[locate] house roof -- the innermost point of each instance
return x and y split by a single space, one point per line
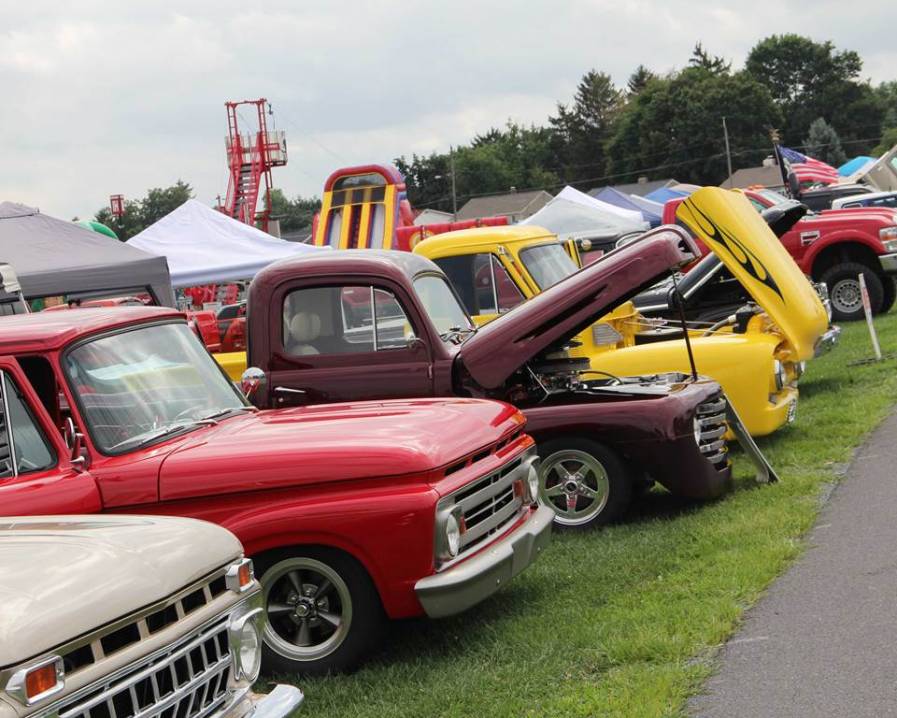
637 188
504 204
765 176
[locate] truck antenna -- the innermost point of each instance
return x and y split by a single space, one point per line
679 304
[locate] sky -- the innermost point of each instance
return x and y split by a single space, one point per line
108 97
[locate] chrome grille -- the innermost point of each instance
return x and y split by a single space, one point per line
711 416
187 680
488 504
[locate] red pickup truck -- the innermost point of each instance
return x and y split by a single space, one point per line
352 512
834 247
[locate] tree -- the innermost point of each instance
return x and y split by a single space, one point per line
714 64
674 127
639 80
824 144
140 214
888 140
295 214
811 79
582 130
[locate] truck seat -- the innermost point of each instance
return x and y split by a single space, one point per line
305 328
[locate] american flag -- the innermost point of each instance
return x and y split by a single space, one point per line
807 169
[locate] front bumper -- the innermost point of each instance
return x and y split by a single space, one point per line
888 263
282 702
827 340
466 584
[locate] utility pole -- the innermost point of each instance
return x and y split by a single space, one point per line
454 195
728 153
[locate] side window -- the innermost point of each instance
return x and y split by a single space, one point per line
481 281
343 320
29 450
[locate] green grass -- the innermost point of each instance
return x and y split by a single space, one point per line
625 621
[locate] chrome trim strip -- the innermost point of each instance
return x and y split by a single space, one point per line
4 387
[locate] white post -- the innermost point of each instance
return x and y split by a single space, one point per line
867 310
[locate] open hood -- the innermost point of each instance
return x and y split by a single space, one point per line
728 225
558 314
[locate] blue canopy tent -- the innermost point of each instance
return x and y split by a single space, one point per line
649 208
618 199
664 195
854 165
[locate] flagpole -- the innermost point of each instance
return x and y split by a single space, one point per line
728 153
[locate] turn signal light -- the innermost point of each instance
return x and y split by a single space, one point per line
40 680
240 575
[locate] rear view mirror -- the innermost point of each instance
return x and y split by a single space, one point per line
253 382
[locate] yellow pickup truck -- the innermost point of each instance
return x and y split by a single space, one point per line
757 361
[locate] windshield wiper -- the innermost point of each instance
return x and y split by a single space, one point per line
148 436
456 335
224 412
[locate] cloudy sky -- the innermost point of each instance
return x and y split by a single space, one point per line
105 96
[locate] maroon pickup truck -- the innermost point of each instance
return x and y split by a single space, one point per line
369 324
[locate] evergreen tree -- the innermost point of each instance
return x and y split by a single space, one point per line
639 79
824 144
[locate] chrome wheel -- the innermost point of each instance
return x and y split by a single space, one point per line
845 296
309 609
575 484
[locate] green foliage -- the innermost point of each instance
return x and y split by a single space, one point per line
295 214
888 140
674 126
140 214
823 143
811 79
639 80
714 64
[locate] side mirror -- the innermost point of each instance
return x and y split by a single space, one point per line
415 344
74 440
253 382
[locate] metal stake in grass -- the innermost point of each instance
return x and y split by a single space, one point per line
867 310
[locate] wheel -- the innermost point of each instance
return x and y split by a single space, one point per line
584 482
889 295
844 290
324 613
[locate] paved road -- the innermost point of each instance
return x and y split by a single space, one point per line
823 641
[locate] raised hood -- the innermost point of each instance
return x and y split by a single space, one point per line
285 448
562 311
69 575
727 223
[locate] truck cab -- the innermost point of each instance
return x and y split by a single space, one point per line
123 410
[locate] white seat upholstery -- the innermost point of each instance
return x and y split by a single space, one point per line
304 327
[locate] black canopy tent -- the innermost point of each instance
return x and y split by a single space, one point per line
53 257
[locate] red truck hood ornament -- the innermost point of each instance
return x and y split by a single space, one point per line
558 314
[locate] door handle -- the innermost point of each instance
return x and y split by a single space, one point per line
288 390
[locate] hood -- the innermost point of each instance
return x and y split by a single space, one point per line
857 214
558 314
74 574
727 223
284 448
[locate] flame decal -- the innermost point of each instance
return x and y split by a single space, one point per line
715 236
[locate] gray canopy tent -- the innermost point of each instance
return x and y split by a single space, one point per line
53 257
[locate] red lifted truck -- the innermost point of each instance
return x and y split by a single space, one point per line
352 512
311 341
834 247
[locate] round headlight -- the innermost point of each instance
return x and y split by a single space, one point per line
532 478
698 429
452 535
250 651
781 377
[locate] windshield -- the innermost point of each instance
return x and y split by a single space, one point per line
442 306
548 264
138 386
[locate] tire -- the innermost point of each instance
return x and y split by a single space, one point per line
584 482
844 290
890 293
345 594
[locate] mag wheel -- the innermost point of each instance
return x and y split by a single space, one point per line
583 482
323 611
843 285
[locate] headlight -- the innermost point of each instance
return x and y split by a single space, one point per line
888 237
698 430
246 645
781 377
452 535
532 479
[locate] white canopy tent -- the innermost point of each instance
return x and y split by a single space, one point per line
574 195
204 246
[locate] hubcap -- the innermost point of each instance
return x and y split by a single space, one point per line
845 296
309 609
575 484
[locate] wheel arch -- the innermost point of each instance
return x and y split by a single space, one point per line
854 249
